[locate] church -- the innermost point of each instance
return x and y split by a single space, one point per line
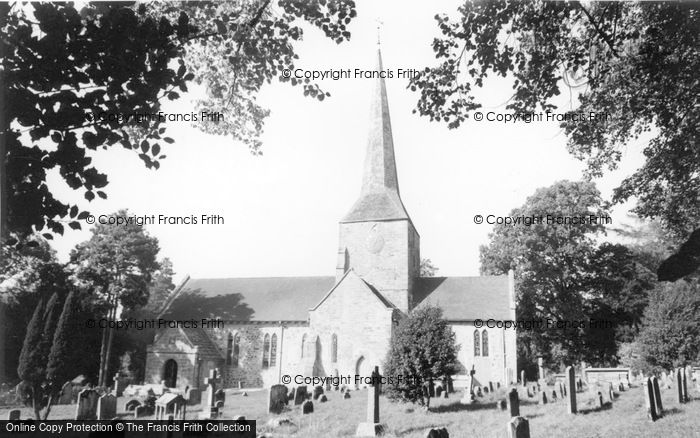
339 325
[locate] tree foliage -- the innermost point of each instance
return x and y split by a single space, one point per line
637 61
671 333
422 349
563 275
66 70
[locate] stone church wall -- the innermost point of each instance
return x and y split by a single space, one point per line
498 366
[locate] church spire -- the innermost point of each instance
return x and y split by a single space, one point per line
379 198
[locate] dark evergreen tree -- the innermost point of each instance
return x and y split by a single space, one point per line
422 350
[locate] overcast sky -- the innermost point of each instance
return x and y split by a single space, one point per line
281 210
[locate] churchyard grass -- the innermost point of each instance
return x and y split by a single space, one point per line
626 418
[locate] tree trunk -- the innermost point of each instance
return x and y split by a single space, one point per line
103 351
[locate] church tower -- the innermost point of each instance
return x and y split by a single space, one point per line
377 238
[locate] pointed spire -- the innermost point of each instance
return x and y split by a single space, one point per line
379 198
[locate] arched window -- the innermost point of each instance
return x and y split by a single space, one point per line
484 343
266 351
229 349
334 348
303 344
477 344
236 349
273 351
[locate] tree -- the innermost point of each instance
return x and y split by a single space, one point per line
117 264
637 62
59 366
427 269
562 275
69 79
671 333
422 349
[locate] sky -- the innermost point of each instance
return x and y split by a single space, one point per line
281 209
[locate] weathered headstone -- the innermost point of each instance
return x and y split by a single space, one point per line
684 377
502 405
438 391
106 407
14 414
657 397
438 433
210 398
132 404
290 396
194 396
649 399
611 392
554 395
543 398
300 395
570 379
307 407
513 403
490 386
529 393
277 399
323 398
346 395
119 384
140 411
522 378
518 427
679 386
540 368
318 390
87 405
65 397
372 427
468 396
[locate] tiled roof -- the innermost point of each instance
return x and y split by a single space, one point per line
249 299
466 298
376 206
207 347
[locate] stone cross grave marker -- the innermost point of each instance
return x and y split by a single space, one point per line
571 381
468 397
372 427
106 407
211 382
87 405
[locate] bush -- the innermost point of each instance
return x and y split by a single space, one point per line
422 349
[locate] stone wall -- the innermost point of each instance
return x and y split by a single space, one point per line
501 363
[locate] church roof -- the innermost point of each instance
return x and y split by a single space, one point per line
207 348
254 299
466 298
379 198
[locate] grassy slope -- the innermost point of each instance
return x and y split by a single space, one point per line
338 417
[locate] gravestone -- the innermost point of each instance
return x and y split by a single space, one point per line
468 396
649 399
522 378
318 390
529 393
513 403
620 387
554 395
87 405
684 378
290 396
220 396
679 386
307 407
132 405
300 395
194 396
543 398
490 386
438 433
438 391
323 398
106 407
65 397
119 384
570 379
372 427
657 397
599 400
445 387
346 395
140 411
502 405
14 414
518 427
540 368
210 398
277 399
478 392
611 392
